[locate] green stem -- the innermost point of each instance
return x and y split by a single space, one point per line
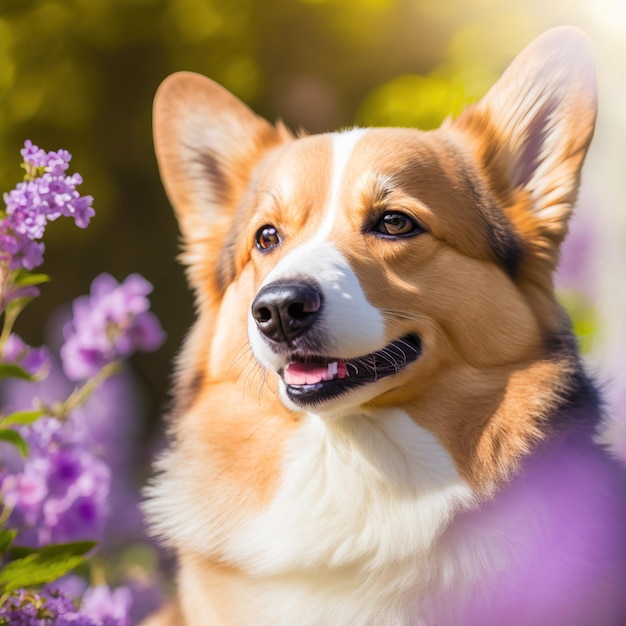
7 327
80 395
9 320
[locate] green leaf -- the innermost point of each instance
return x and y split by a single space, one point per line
21 417
13 437
24 278
19 552
6 539
43 566
11 370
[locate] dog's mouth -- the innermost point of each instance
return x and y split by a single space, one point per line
310 380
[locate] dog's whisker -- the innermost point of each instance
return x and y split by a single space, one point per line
352 364
241 353
416 317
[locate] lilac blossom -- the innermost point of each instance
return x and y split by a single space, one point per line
27 608
60 494
35 361
111 323
100 606
10 292
107 424
108 607
47 194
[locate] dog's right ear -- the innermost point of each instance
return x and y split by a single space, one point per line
207 143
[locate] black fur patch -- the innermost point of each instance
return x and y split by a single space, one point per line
503 239
581 403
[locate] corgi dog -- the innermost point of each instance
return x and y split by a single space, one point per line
381 417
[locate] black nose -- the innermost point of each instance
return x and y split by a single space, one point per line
286 310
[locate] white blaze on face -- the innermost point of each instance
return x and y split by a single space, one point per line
342 147
349 324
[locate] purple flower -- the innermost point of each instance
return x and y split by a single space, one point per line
36 361
24 492
107 607
107 425
10 292
111 323
60 493
29 608
47 194
37 160
100 607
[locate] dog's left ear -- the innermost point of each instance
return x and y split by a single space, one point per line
532 130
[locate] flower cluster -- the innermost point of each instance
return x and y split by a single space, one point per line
110 324
35 361
59 442
99 607
47 193
27 608
61 492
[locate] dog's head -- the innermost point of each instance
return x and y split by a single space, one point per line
382 267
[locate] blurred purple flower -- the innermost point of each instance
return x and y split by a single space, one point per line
111 323
49 194
148 597
107 424
575 269
60 494
12 292
24 492
107 607
100 607
29 608
36 361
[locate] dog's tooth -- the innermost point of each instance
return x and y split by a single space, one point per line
330 371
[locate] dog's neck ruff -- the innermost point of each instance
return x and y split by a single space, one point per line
356 518
368 488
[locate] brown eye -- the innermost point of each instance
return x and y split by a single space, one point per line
395 224
267 238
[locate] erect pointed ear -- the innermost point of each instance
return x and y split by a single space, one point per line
207 143
531 132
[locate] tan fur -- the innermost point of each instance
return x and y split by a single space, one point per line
487 379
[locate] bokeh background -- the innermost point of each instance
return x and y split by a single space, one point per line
81 74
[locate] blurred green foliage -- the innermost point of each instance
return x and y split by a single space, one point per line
81 74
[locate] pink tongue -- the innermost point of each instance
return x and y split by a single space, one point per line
312 373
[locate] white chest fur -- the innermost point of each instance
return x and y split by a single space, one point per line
351 531
372 488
